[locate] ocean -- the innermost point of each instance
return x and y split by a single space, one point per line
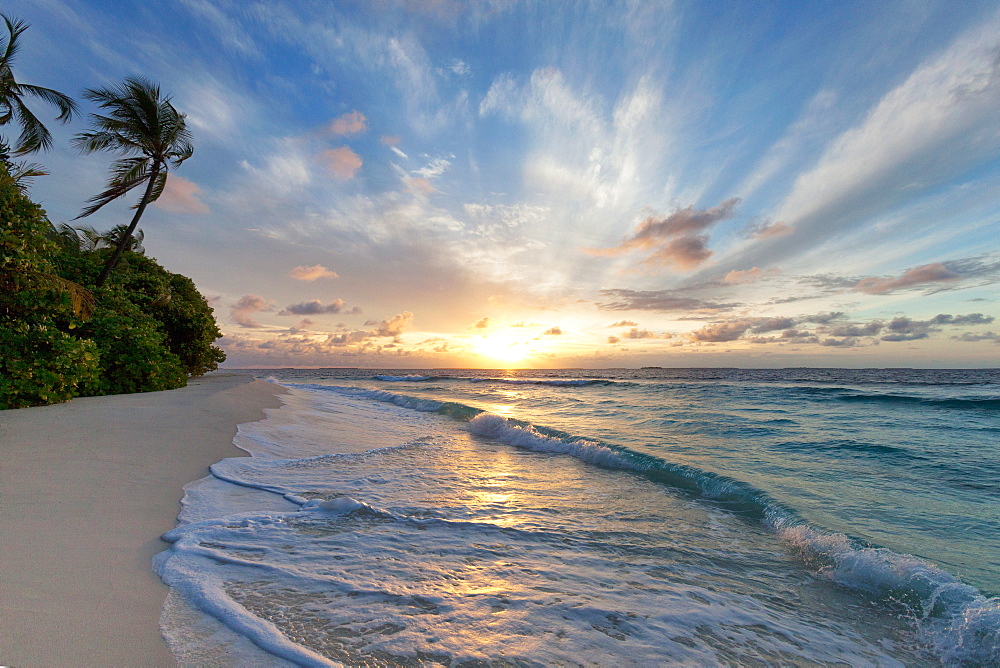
610 517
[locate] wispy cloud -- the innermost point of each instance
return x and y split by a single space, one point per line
938 123
752 275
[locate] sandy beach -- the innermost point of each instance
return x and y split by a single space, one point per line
86 490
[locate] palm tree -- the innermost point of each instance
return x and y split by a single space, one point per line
143 126
33 136
85 239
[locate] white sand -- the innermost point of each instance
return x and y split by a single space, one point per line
86 490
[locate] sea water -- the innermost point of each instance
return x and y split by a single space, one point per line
599 517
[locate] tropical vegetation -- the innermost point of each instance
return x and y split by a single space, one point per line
69 325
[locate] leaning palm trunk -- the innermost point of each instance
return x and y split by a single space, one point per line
124 241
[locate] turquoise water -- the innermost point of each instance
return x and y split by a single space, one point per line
608 517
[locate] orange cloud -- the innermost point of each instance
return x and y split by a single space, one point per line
342 163
349 124
180 196
420 186
312 273
390 140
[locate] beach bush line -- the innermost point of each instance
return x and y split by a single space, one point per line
145 329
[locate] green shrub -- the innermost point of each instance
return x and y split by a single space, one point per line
40 361
133 347
41 365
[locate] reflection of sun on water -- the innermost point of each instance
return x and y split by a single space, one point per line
510 395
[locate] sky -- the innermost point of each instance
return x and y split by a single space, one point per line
543 184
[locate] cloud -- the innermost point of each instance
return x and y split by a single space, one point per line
434 168
922 275
854 330
672 240
482 323
348 338
419 185
342 163
392 141
553 331
658 300
636 333
729 330
840 343
907 329
985 336
970 319
763 325
349 124
180 196
459 67
394 326
613 339
247 305
823 318
316 307
683 253
752 275
624 323
768 230
312 273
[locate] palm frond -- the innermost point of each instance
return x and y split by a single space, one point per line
34 135
81 300
110 194
129 169
14 28
24 172
158 186
65 104
91 142
134 243
90 238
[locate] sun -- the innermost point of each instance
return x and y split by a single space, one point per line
504 348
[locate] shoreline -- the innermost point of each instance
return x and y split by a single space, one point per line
87 488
